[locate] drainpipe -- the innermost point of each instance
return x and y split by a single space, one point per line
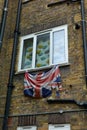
84 36
11 74
3 22
47 113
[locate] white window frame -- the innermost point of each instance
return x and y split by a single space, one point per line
27 128
59 127
64 27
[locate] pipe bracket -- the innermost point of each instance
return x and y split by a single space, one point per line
10 86
5 9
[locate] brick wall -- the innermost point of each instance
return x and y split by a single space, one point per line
36 16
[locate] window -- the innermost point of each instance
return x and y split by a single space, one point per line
44 49
27 128
59 127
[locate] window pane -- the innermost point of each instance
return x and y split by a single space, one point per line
30 128
42 50
27 128
27 53
59 127
58 47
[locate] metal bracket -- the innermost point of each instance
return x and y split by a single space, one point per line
71 101
62 1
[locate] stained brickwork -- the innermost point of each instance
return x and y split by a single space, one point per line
37 16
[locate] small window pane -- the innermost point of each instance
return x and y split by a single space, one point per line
42 50
27 128
27 53
59 127
58 47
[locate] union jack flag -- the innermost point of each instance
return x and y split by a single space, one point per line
41 84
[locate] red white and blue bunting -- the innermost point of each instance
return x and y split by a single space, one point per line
41 84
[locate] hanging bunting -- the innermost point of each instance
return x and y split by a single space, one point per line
41 84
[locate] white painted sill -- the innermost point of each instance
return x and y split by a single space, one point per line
41 69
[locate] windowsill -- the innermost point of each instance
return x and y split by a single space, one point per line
40 69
